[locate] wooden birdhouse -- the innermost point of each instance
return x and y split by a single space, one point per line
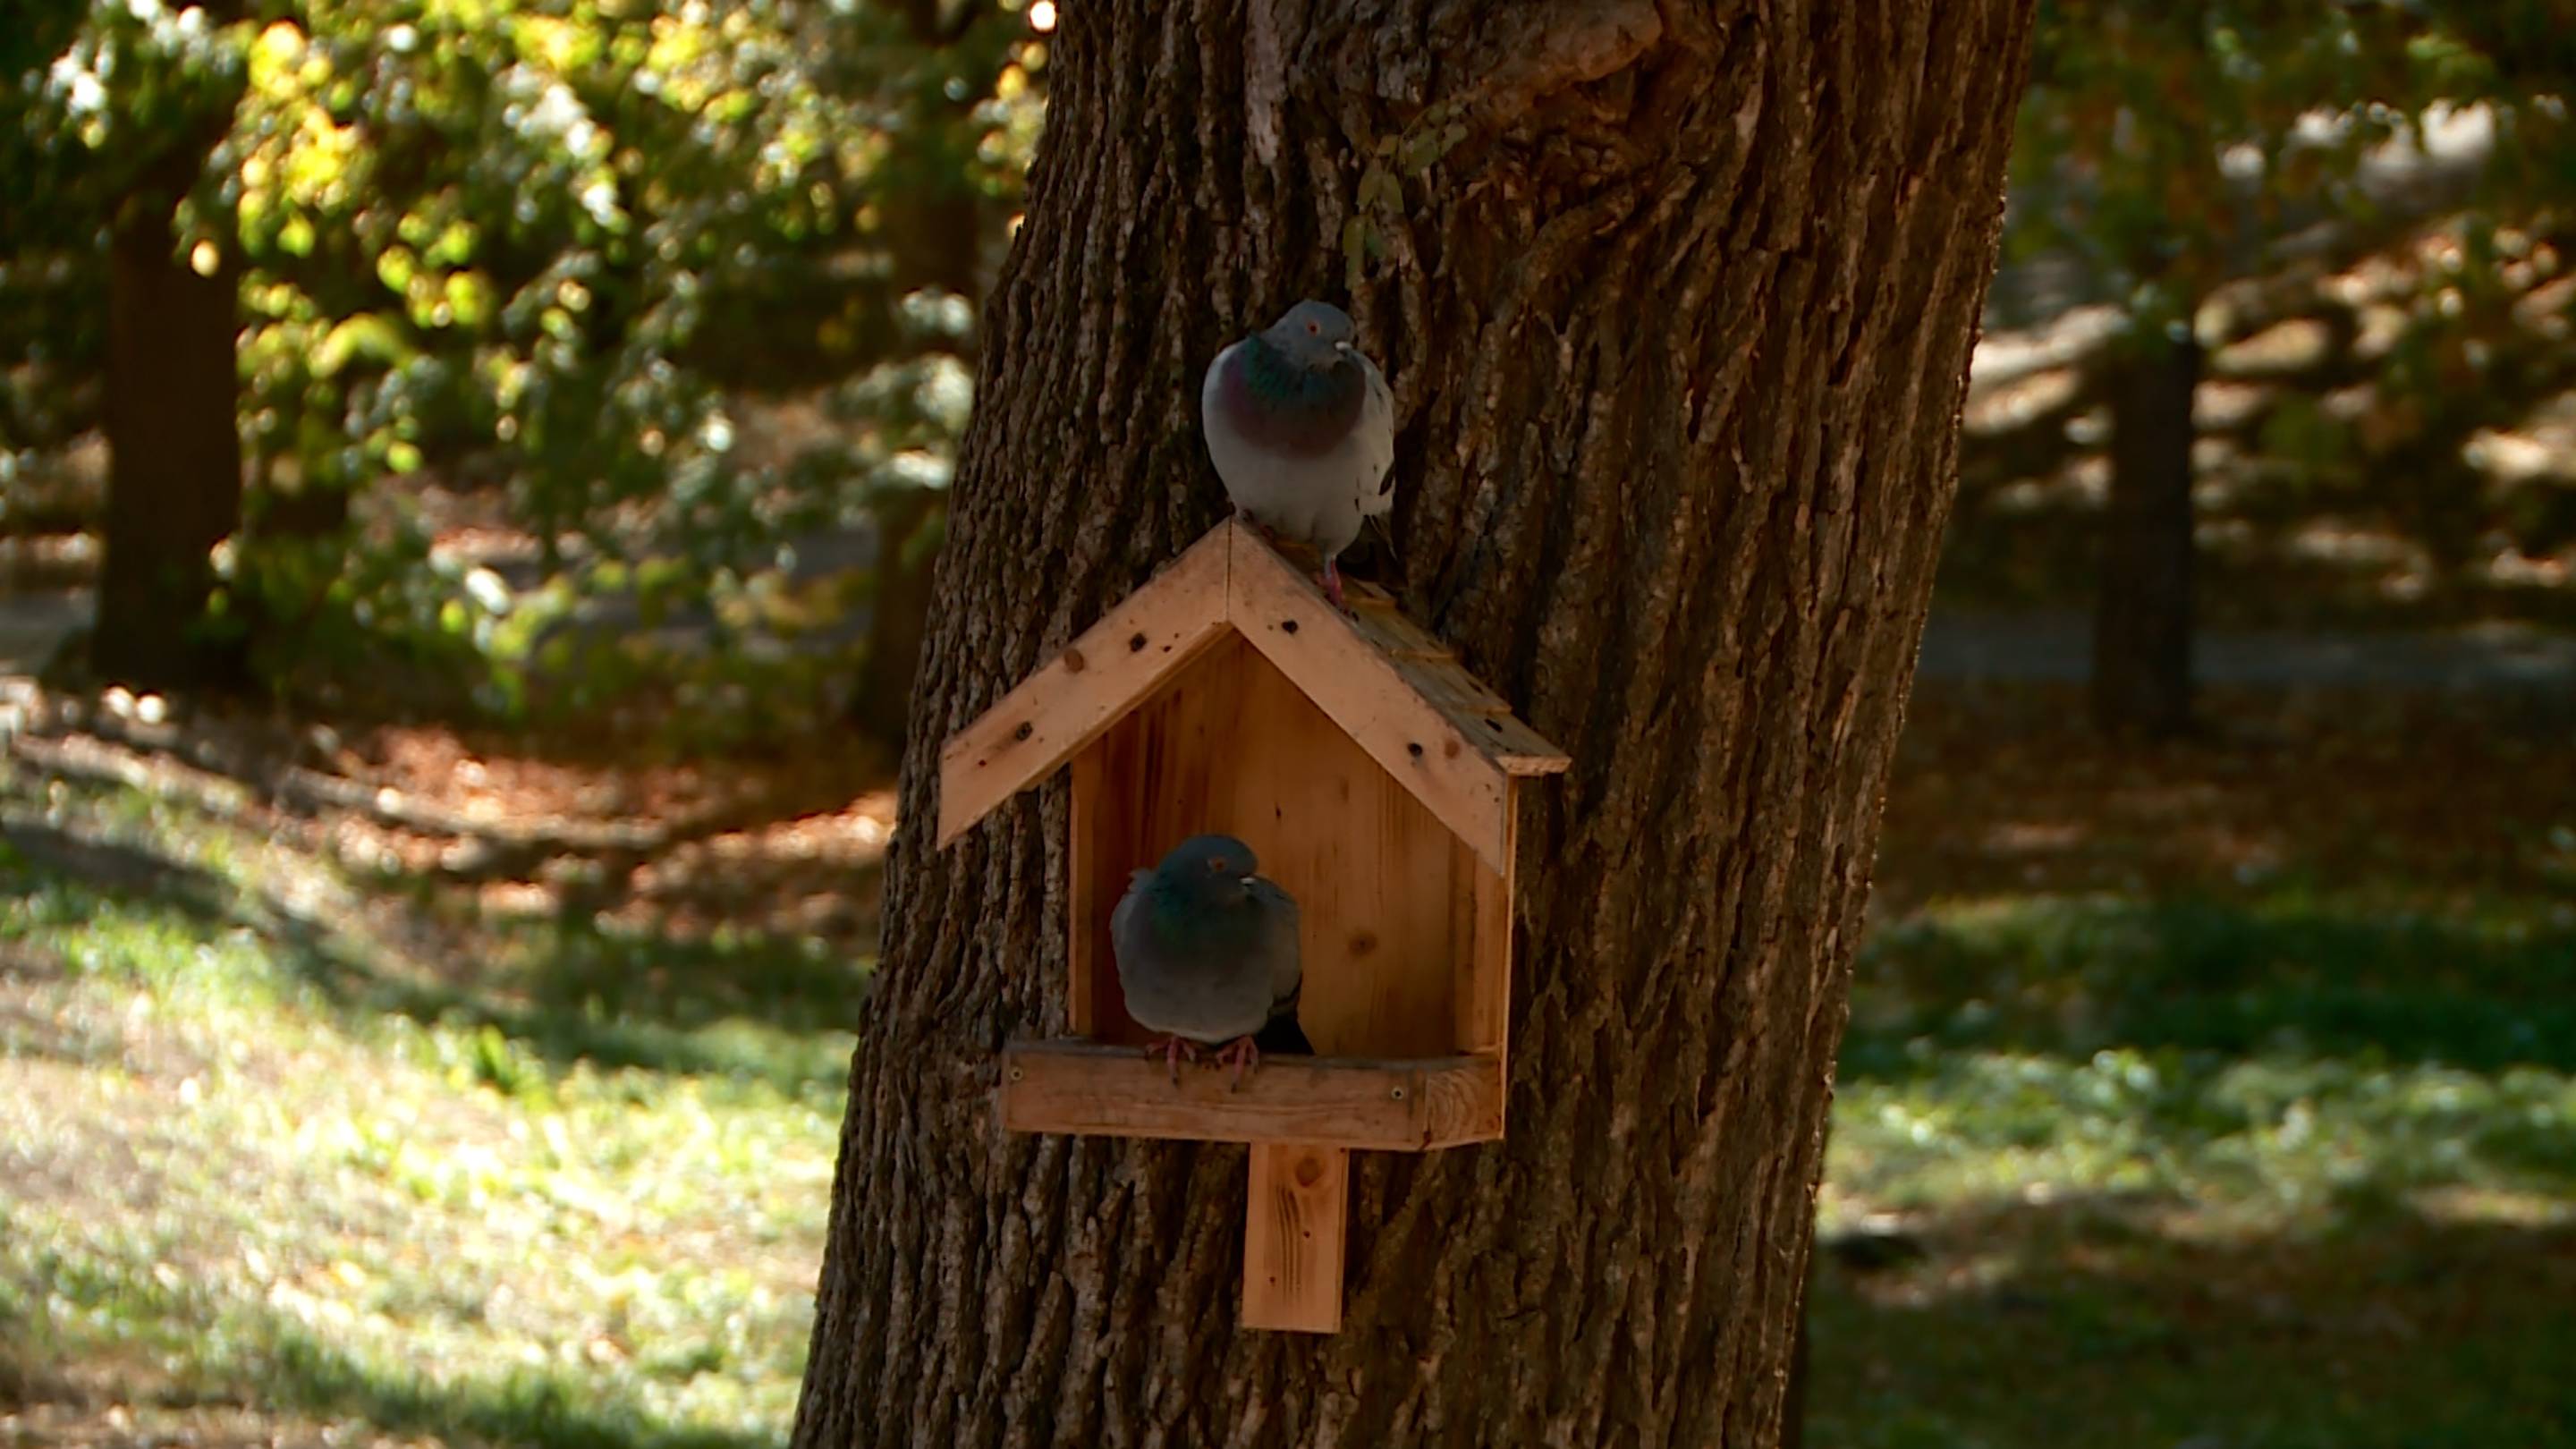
1377 782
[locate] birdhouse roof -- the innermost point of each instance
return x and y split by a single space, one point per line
1389 684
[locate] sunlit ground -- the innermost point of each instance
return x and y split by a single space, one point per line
296 1147
2213 1095
2210 1095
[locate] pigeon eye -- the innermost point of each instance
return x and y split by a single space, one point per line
1218 866
1314 329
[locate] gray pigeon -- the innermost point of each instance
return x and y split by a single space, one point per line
1207 954
1302 429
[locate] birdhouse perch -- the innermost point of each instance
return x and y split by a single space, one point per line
1377 781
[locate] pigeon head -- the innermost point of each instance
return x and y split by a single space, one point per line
1313 335
1209 868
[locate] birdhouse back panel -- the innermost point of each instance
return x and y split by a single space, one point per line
1404 931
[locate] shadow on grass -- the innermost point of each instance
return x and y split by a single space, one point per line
2070 977
2382 1329
749 1005
227 1351
524 1408
752 1006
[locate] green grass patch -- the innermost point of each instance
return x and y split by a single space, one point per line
253 1154
2274 1173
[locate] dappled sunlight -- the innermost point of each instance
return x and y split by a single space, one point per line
2008 405
2176 1074
2290 346
216 1169
2007 792
2389 1329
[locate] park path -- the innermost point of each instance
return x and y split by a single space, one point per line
2057 648
1958 647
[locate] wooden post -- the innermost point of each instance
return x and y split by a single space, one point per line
1292 1238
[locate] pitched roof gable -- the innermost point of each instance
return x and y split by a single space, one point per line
1396 690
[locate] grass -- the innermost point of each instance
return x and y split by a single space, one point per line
2265 1171
2146 1135
254 1154
2217 1094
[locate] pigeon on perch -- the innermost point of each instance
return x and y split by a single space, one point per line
1207 955
1301 427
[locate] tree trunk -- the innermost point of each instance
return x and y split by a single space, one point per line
2142 618
1800 1391
174 457
1678 330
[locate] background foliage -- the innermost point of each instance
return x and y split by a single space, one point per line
530 266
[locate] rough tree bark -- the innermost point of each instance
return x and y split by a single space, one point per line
1679 333
2143 609
174 487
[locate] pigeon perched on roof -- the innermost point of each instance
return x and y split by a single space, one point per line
1301 427
1207 955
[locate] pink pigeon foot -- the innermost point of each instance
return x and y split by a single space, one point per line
1241 1055
1174 1051
1333 586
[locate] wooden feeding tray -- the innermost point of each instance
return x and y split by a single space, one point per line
1378 783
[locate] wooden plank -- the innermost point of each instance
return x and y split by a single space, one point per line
1230 745
1433 669
1295 1217
1483 903
1413 1105
1298 630
1367 863
1091 891
1483 936
1391 632
1142 641
1143 787
1481 715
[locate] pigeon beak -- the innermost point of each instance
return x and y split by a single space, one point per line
1247 882
1341 347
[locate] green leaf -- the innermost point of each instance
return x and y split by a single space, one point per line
1379 188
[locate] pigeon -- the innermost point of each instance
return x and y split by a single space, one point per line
1301 428
1207 954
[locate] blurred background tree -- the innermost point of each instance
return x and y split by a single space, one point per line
2199 171
583 347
